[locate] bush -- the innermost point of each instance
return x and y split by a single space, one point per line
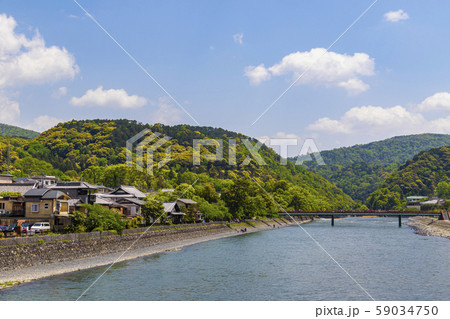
97 218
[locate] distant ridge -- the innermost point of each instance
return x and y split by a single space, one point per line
10 130
396 150
360 169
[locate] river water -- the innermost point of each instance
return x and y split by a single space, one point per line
390 263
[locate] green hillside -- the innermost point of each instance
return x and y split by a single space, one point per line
397 150
9 130
95 151
359 170
422 174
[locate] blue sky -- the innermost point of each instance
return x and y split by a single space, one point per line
226 62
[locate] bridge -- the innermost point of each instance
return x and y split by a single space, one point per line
332 214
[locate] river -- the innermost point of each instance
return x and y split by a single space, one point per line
390 263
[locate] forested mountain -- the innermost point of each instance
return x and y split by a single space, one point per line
95 151
359 170
9 130
421 175
397 150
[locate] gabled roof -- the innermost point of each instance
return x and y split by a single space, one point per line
131 200
103 200
37 192
53 195
129 190
169 207
44 193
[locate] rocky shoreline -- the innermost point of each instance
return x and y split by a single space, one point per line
428 226
169 242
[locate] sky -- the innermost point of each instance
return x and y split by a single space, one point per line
337 72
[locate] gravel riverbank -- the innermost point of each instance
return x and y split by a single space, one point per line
14 276
428 226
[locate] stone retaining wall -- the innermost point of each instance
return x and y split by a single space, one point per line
30 251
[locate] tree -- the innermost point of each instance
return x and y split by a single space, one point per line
153 210
101 219
385 199
77 225
237 198
209 193
185 190
443 190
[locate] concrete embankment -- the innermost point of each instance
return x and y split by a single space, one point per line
24 259
428 226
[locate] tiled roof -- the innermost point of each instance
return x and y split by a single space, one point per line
74 185
37 192
169 207
130 190
52 195
132 200
16 188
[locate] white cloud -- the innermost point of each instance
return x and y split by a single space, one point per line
28 61
166 113
60 92
319 67
109 98
43 122
438 101
9 111
326 124
238 38
372 120
257 74
396 16
441 125
369 122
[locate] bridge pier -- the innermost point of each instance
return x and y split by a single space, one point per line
399 220
332 220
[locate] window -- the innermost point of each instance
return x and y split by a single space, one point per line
2 206
35 208
46 205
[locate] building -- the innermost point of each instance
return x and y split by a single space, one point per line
176 211
6 179
46 203
173 212
45 180
127 199
77 190
12 205
433 201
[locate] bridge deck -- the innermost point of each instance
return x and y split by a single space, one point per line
373 213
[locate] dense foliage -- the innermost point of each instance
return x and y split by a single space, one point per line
10 130
95 151
385 199
97 218
397 150
422 175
